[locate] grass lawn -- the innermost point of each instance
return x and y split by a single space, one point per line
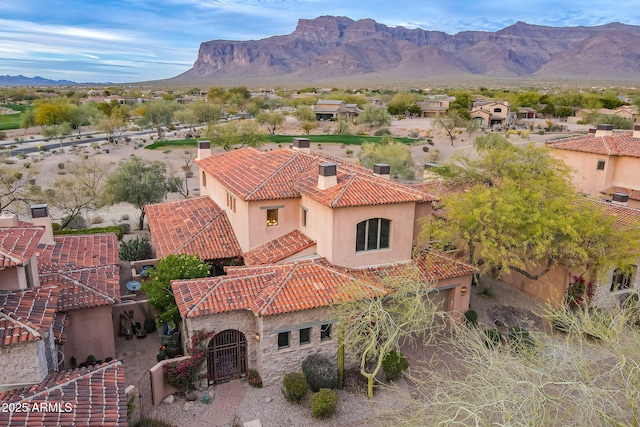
286 139
12 121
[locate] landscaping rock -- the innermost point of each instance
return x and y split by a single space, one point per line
169 399
191 396
188 406
212 393
268 400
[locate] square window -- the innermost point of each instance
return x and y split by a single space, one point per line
305 336
283 340
272 217
600 166
325 332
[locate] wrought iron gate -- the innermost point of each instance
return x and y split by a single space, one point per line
227 356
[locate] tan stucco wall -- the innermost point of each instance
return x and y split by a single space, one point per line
626 172
550 288
159 387
90 333
19 363
456 292
259 232
10 279
586 177
343 251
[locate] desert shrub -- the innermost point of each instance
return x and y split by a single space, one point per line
76 223
348 152
125 227
487 293
520 339
320 372
382 132
254 379
413 134
97 230
295 387
324 403
425 149
135 249
492 338
471 318
97 220
394 364
60 165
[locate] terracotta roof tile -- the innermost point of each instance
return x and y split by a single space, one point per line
268 290
18 244
78 251
96 397
286 173
60 327
193 227
278 249
298 285
88 287
25 315
624 216
618 144
633 194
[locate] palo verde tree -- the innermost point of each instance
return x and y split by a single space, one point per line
140 183
522 213
372 327
270 120
568 380
373 116
389 151
234 134
17 187
158 287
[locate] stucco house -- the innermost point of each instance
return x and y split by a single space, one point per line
487 113
329 109
309 226
46 281
606 164
435 106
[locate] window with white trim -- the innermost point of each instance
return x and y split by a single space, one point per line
373 234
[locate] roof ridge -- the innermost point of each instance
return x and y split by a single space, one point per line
24 323
206 294
606 145
350 181
277 290
206 227
78 282
12 258
74 375
272 175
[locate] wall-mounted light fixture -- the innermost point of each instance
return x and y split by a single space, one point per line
463 290
257 336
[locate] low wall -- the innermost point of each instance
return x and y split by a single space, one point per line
159 388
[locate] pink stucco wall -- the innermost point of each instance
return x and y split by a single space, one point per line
586 177
90 333
159 388
550 288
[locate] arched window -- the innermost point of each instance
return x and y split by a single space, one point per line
373 234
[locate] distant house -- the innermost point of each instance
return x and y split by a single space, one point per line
606 163
526 113
328 109
310 227
490 113
434 107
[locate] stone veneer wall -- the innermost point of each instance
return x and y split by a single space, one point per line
604 298
23 363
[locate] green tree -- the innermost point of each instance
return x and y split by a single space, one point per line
114 126
270 120
52 112
391 152
522 213
17 190
401 102
373 116
452 120
158 287
305 113
140 183
28 119
235 134
159 113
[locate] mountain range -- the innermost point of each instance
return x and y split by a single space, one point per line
331 47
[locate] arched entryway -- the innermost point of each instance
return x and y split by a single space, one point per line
227 356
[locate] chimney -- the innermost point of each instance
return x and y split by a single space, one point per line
636 131
204 149
327 177
40 215
604 130
620 198
8 220
382 170
592 130
302 144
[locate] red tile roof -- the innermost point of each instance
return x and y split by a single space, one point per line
85 288
86 268
298 285
26 315
95 397
18 244
632 193
278 249
624 216
268 290
193 227
252 174
618 144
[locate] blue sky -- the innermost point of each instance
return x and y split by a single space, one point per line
136 40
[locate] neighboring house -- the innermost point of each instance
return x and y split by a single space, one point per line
526 113
86 397
626 111
610 288
84 272
489 113
434 107
606 164
328 109
309 226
